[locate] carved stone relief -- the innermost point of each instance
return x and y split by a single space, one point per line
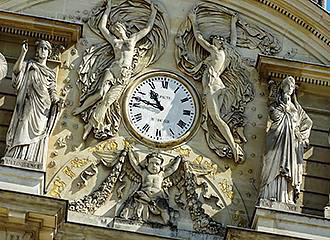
144 195
286 140
3 67
204 53
36 111
132 43
148 188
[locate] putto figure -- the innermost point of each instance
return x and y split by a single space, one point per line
286 139
150 198
226 87
105 71
37 106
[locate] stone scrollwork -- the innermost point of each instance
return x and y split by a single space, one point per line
36 111
286 139
204 53
133 42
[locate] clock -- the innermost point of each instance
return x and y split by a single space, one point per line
161 109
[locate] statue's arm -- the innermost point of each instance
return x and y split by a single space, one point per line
103 24
52 92
233 30
133 161
144 32
199 37
172 166
19 63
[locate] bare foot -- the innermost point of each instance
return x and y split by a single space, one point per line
88 129
77 111
240 132
238 154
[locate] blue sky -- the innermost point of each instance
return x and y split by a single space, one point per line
328 5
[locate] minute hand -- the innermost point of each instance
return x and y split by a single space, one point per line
155 105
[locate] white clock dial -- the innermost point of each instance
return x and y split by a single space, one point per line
162 109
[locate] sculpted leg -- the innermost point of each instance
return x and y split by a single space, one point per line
100 94
213 106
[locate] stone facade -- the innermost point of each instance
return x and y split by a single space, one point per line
161 120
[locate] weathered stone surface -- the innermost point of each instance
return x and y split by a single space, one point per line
290 224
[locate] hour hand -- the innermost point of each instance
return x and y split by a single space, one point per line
154 96
155 105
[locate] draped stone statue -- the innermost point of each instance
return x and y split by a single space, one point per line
37 106
226 87
108 68
3 67
286 139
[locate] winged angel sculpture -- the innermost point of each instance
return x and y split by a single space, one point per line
144 189
206 51
136 35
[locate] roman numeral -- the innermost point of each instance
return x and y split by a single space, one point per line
152 85
158 133
165 84
186 112
146 128
181 124
177 89
137 117
172 132
142 93
137 105
184 100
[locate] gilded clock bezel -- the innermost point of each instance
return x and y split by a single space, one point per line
169 144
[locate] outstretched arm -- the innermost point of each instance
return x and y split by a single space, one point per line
233 30
134 162
143 32
103 24
199 38
19 63
172 166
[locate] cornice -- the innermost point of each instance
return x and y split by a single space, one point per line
17 26
308 20
312 77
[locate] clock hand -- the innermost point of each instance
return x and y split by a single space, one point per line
155 105
154 96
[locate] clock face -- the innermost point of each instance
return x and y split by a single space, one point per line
161 109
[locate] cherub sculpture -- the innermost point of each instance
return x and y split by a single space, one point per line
107 69
150 197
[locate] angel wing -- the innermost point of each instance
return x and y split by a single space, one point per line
175 179
148 50
91 202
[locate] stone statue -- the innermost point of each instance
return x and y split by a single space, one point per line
150 198
106 70
3 67
37 106
150 191
286 139
226 88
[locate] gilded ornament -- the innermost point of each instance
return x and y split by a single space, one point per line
58 187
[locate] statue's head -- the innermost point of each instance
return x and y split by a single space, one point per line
217 41
118 29
288 85
44 49
154 162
